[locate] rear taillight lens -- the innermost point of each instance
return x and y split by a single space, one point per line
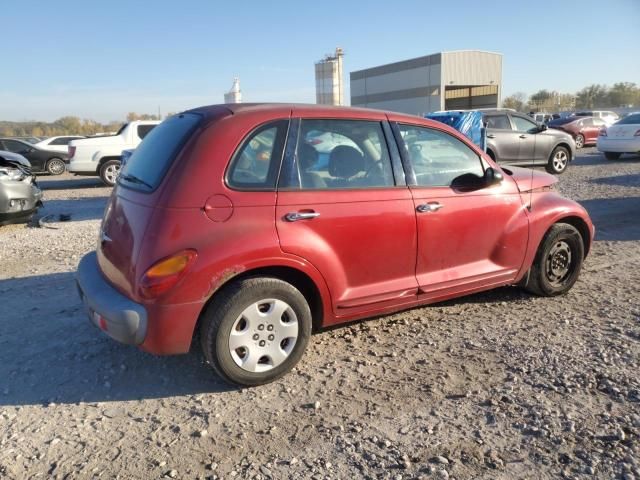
603 132
166 273
72 151
637 134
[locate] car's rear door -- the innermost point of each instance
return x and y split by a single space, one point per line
470 235
350 216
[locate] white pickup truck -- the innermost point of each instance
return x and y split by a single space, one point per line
101 155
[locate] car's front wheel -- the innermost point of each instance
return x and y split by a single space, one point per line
558 261
55 166
558 161
579 141
255 330
612 155
109 172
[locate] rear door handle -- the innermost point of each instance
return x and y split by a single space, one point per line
491 135
429 207
295 216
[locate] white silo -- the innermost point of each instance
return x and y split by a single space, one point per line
329 83
234 95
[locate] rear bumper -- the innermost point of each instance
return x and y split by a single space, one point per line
119 317
622 145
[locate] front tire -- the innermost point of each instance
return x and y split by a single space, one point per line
579 141
109 172
558 261
55 166
255 330
558 161
612 155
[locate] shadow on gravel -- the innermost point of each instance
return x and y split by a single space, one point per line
630 180
615 218
50 352
66 183
74 210
597 158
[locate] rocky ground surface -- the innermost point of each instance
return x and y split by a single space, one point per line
498 385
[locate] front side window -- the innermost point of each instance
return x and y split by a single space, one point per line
500 122
524 125
439 159
339 154
256 163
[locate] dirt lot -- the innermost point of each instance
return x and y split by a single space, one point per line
499 385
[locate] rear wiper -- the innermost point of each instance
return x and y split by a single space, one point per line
134 179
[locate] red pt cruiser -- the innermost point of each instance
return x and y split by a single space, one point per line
253 225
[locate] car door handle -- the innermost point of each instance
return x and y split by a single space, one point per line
429 207
295 216
523 136
491 135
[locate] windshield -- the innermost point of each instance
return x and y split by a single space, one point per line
148 164
633 119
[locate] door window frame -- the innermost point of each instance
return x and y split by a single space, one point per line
289 179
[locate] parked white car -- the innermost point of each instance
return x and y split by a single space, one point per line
621 137
57 144
608 117
101 156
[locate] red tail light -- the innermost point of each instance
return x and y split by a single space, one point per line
603 132
314 141
72 151
164 274
637 134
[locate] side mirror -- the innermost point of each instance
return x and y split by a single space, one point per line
492 176
543 127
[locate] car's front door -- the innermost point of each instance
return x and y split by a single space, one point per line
527 132
471 235
349 216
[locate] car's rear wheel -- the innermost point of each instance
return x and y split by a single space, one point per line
612 155
255 330
579 141
55 166
558 261
109 172
558 160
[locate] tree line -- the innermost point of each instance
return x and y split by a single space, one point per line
622 94
66 126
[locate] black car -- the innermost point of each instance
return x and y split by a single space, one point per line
41 160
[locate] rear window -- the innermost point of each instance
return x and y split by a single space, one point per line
562 121
151 160
633 119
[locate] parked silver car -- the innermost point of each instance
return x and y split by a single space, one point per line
515 139
20 196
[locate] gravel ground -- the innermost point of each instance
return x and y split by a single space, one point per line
498 385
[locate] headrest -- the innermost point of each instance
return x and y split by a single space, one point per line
345 162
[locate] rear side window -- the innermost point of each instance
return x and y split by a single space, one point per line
439 159
256 163
500 122
342 154
143 130
151 160
632 119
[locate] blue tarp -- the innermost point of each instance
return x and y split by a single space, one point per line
467 123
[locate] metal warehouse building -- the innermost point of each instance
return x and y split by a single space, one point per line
442 81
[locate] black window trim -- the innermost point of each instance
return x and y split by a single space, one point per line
289 165
275 168
406 161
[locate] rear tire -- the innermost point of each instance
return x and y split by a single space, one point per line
579 141
55 166
612 155
558 161
109 172
255 330
558 261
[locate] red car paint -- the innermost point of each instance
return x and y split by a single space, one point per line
369 253
588 127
